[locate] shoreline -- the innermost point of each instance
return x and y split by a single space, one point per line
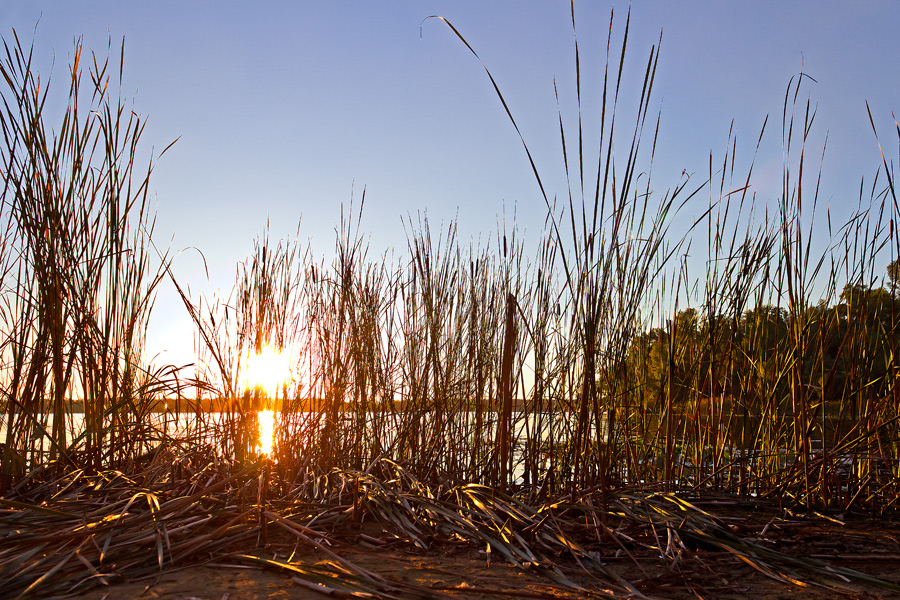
219 405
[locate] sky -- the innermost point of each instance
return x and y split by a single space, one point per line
285 111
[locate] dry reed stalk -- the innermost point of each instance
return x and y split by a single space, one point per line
78 278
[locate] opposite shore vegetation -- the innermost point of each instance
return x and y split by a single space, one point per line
580 372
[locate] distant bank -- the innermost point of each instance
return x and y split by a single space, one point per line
212 405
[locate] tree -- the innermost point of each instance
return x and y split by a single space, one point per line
893 272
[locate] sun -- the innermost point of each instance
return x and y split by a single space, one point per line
267 370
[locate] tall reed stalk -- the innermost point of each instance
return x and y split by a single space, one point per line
78 279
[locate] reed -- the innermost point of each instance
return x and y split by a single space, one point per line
78 279
601 361
474 363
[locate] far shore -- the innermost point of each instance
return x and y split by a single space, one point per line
215 405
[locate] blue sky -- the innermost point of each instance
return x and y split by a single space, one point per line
285 109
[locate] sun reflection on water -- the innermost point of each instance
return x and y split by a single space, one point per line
266 431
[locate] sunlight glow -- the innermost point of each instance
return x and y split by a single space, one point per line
266 431
267 371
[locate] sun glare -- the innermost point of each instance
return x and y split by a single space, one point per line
267 371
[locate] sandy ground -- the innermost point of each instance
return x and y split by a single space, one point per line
464 573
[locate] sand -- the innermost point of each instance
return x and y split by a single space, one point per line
464 573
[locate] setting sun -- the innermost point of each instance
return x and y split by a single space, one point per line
267 371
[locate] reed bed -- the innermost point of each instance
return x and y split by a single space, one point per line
185 506
539 402
76 272
599 361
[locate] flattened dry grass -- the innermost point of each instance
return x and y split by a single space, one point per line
185 507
